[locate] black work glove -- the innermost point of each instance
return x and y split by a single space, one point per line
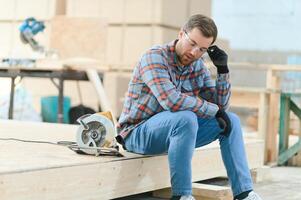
219 59
224 122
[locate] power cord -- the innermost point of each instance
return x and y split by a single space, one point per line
60 143
74 147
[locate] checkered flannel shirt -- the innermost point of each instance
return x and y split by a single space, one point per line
160 83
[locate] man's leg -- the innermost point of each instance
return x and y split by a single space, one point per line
232 148
234 157
172 132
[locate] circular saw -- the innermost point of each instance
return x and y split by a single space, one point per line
96 135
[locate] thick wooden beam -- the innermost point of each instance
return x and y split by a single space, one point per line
211 192
45 171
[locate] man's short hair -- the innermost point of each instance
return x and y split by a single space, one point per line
205 24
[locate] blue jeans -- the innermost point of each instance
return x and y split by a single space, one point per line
178 134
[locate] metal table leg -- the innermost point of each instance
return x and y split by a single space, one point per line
60 113
11 100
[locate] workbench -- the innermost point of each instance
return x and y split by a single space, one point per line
44 171
61 74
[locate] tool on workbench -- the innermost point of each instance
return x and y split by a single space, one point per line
96 135
28 29
31 27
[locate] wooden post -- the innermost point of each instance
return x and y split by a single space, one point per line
273 82
263 118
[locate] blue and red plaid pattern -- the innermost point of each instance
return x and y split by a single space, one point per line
159 83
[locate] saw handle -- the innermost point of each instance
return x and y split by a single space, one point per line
80 121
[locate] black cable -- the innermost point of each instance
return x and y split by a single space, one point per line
60 143
73 146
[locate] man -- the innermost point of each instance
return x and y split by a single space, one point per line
174 106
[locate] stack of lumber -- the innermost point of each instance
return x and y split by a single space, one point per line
136 25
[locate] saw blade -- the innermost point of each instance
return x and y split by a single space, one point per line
95 131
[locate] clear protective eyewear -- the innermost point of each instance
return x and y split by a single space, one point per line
193 44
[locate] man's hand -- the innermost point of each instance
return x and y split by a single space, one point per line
224 122
219 59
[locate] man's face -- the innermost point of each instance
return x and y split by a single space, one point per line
192 45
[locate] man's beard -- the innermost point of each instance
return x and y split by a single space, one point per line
186 60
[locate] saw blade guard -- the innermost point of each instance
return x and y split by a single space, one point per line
95 130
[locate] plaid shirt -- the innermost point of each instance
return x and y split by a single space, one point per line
160 83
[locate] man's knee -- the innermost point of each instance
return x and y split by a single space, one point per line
235 121
234 118
187 119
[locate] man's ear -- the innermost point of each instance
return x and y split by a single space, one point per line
181 33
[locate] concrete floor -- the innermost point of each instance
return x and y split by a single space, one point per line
284 184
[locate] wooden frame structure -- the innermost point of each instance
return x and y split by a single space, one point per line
269 103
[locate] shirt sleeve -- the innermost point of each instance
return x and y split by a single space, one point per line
155 74
218 91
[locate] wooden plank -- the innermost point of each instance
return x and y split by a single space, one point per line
251 89
261 174
40 156
244 99
211 192
274 67
252 97
43 171
201 192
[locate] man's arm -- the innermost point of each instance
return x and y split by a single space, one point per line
220 93
220 60
217 92
154 72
